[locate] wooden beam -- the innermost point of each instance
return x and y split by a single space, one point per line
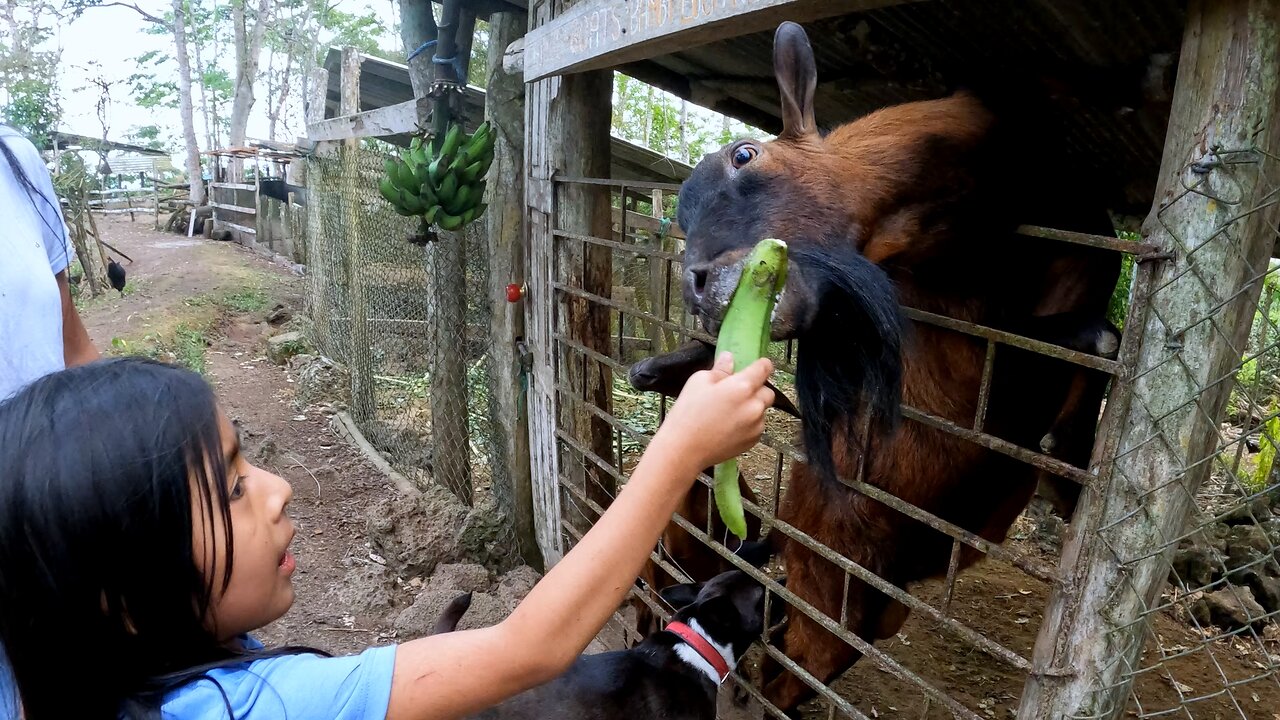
1215 212
600 34
391 120
232 208
361 360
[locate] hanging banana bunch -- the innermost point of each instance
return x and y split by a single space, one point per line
441 181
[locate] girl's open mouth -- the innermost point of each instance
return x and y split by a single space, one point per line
287 563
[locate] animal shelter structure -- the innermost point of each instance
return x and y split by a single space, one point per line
1162 598
1170 111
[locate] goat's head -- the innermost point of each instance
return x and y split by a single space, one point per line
806 190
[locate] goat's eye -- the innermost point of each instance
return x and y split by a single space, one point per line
744 154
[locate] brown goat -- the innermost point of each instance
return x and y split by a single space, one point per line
917 205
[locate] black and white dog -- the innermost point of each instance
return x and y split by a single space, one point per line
674 674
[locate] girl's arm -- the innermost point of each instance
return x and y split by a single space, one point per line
77 348
717 416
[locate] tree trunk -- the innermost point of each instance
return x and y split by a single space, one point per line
184 103
418 27
684 139
504 107
248 42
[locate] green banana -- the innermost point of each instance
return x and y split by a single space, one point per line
430 216
388 191
471 172
459 201
460 161
449 222
405 178
447 189
452 140
411 203
745 333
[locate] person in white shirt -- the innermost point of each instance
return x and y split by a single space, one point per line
40 330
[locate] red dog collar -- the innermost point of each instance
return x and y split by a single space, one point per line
703 648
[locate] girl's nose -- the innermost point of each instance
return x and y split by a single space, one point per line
281 492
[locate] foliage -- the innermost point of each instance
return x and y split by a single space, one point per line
1118 307
33 109
1267 440
656 119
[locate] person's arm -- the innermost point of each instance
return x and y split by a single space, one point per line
717 416
77 348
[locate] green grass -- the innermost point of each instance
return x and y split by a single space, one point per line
245 300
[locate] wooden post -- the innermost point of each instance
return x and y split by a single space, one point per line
578 139
1161 429
539 301
504 108
361 361
661 339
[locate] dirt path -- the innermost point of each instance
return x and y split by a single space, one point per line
191 298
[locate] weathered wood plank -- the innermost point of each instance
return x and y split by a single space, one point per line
399 119
599 34
1160 434
233 186
232 208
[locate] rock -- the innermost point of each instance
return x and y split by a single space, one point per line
1266 591
487 536
1246 544
285 345
366 589
1195 566
420 618
462 577
516 584
1250 513
279 316
1231 608
417 533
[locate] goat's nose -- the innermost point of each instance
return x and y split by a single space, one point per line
697 279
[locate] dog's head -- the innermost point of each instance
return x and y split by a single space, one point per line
728 609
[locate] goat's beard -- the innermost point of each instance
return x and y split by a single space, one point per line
849 367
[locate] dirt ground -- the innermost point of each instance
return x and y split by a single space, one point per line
212 305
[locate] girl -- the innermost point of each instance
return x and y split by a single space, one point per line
138 548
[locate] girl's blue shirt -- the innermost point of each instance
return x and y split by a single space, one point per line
287 687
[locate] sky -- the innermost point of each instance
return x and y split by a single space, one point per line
113 37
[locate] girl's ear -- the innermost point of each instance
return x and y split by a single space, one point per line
797 76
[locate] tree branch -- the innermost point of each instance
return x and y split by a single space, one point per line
146 15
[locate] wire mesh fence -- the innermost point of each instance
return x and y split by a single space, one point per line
409 322
1212 646
969 647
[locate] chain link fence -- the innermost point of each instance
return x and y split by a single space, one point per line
1212 647
409 322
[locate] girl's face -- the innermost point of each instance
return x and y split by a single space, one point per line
261 586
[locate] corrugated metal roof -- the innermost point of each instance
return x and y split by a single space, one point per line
1108 65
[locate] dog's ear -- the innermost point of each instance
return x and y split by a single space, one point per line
682 595
755 552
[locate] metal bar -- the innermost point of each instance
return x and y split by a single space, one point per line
1028 564
991 442
683 331
623 247
1075 357
875 654
953 569
984 390
849 567
1098 241
643 184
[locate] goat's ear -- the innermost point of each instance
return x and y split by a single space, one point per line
681 596
755 552
797 76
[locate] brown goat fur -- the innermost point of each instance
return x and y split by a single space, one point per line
914 204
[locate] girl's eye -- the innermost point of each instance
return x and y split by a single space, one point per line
744 154
237 490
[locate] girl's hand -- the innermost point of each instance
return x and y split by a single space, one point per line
719 414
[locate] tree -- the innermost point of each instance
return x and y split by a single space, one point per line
248 33
27 74
176 24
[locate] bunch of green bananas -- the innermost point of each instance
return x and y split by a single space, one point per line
441 181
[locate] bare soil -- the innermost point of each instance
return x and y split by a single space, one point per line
224 295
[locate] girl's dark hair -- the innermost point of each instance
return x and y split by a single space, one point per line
98 579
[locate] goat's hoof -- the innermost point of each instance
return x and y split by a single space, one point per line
1048 443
